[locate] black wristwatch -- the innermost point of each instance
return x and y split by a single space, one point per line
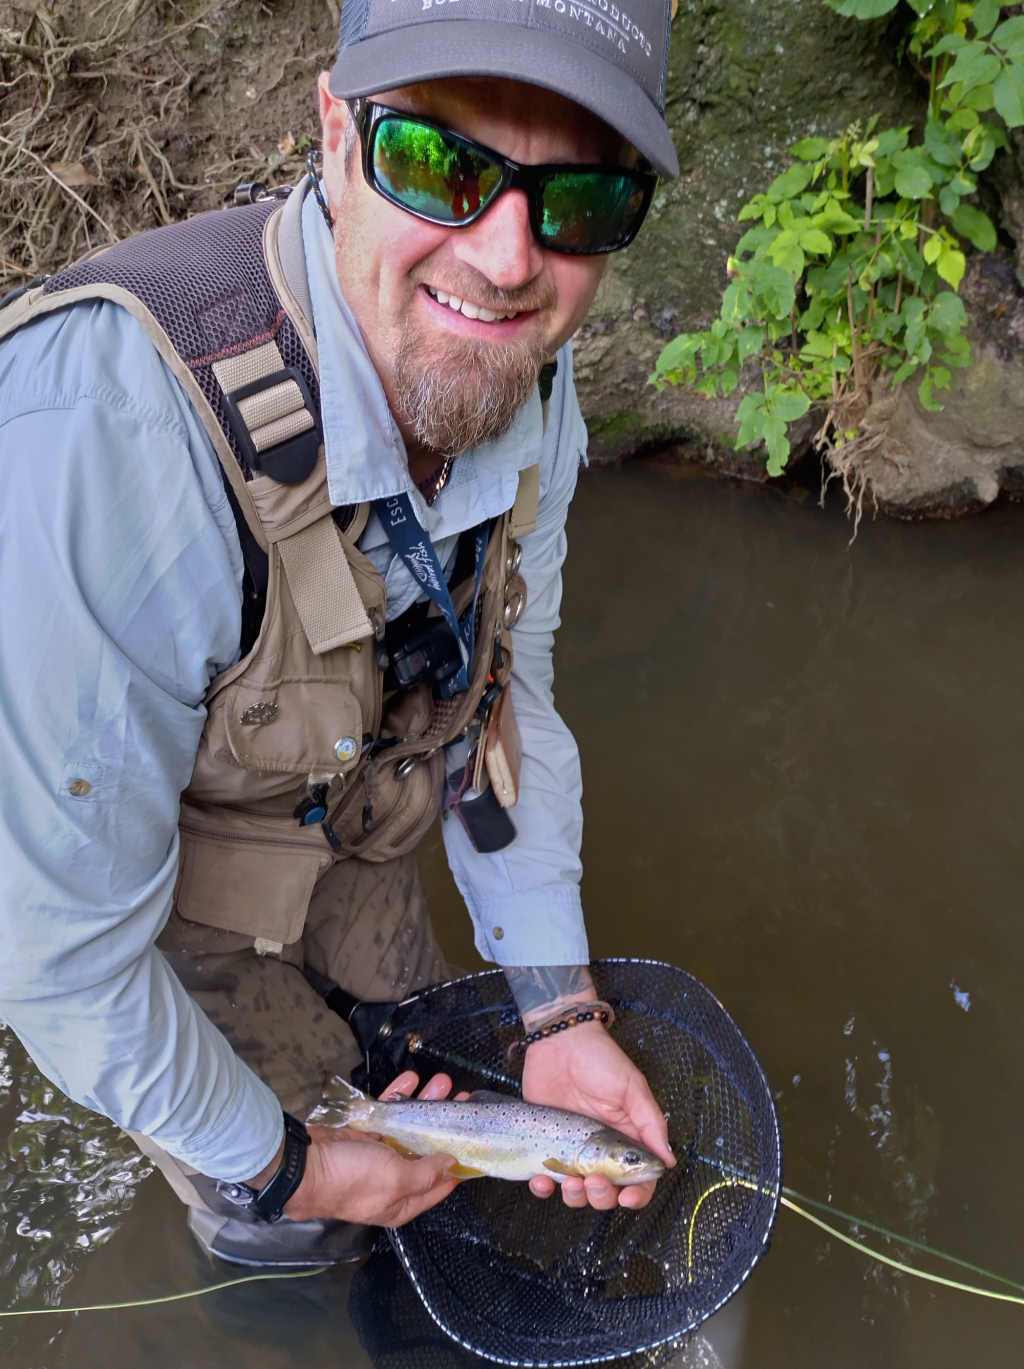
267 1204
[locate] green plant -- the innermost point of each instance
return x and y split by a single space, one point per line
849 277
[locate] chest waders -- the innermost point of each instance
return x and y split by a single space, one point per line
311 786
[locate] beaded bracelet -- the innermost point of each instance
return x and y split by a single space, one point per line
571 1016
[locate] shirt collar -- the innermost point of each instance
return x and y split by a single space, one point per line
366 457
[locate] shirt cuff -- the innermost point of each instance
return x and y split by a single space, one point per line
540 927
253 1127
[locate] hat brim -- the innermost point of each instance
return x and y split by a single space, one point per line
470 47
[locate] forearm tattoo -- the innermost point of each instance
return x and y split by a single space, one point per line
540 990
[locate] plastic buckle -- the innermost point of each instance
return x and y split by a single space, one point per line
291 461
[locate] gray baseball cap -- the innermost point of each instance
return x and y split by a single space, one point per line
610 56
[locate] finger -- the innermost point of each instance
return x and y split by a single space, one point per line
542 1187
437 1087
636 1196
463 1097
402 1087
600 1194
574 1193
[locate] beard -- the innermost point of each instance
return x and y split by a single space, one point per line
452 398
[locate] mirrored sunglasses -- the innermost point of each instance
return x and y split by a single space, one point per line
440 176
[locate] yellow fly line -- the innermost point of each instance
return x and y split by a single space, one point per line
736 1182
785 1198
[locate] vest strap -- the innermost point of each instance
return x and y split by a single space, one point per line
523 515
271 412
323 587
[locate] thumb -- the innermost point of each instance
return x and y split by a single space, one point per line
436 1169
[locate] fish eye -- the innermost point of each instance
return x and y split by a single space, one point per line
631 1157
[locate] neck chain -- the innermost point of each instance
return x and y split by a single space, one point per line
436 481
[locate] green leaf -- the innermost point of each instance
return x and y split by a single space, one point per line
750 342
927 398
985 17
892 140
862 9
789 405
941 377
963 120
951 266
817 345
810 149
913 182
949 201
1010 32
942 143
974 66
680 352
750 415
947 313
932 249
952 42
1008 94
905 372
976 226
729 379
984 150
791 182
980 99
814 240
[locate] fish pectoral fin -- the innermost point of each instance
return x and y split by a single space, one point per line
559 1168
466 1172
404 1151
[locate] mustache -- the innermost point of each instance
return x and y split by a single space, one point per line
525 299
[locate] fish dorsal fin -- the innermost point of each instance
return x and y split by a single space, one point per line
337 1090
557 1167
491 1096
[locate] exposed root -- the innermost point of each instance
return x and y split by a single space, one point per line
99 135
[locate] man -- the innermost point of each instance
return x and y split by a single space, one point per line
228 714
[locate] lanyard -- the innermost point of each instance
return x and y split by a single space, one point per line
417 551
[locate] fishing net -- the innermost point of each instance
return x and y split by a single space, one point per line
526 1282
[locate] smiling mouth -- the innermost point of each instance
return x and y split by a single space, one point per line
466 308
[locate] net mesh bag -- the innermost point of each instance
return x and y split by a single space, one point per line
526 1282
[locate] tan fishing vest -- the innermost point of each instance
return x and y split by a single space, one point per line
303 711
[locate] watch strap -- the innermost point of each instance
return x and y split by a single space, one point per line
267 1204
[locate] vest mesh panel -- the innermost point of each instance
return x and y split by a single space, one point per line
205 281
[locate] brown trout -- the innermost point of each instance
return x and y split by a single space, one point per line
493 1134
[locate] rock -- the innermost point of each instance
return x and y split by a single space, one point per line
746 81
960 459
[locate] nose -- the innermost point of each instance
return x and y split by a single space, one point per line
500 244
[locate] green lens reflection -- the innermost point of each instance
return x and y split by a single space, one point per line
430 173
589 210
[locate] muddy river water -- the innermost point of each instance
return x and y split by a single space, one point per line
802 766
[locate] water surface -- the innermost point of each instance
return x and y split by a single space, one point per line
801 765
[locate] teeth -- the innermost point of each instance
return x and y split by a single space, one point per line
462 306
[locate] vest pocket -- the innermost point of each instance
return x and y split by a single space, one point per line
290 728
385 814
242 883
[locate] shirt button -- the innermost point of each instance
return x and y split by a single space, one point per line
79 788
499 932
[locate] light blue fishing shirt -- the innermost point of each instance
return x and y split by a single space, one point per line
120 575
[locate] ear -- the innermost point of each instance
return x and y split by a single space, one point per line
333 116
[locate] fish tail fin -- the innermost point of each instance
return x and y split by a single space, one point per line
341 1103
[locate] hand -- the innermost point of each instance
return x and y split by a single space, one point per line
354 1177
583 1069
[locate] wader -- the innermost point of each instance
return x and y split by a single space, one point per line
312 786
